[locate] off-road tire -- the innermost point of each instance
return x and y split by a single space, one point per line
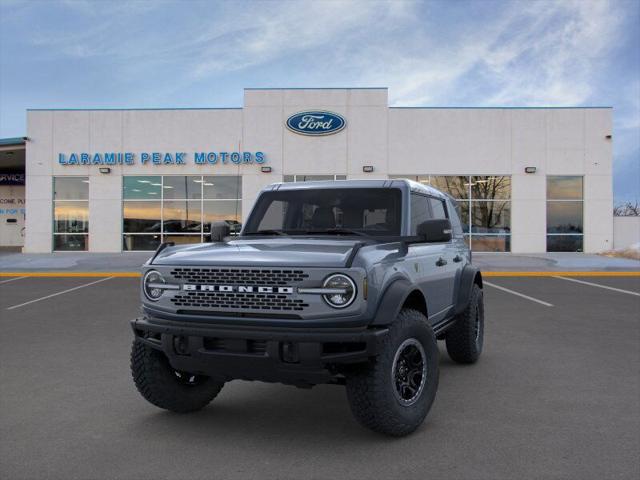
158 383
371 388
464 342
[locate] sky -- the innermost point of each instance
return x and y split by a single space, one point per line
112 54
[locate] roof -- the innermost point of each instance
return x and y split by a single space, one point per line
12 141
378 183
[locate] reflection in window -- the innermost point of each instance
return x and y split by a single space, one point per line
490 217
187 187
183 216
456 186
70 213
140 242
564 214
564 243
71 188
143 188
491 243
564 217
223 188
141 217
229 211
490 187
71 217
177 208
487 197
564 188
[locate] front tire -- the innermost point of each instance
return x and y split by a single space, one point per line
167 388
465 338
394 393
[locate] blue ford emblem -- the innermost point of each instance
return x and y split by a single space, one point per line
316 122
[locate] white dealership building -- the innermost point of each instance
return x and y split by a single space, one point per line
527 179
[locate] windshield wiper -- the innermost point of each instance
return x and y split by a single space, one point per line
336 231
266 232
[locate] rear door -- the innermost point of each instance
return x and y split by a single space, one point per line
449 260
427 262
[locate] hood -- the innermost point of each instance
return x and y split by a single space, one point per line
294 252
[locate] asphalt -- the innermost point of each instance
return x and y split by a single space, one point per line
556 394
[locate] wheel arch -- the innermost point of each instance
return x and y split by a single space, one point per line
470 276
398 295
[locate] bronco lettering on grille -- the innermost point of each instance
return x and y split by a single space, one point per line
237 288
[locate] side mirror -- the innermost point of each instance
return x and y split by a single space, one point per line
437 230
219 230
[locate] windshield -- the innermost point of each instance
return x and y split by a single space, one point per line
335 211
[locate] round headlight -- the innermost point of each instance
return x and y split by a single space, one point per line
150 285
345 290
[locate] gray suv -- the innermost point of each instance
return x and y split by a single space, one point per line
346 282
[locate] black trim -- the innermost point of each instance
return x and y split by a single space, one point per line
392 301
299 357
467 279
352 255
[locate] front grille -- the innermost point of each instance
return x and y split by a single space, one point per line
256 301
238 276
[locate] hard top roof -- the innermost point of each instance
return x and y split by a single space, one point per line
380 183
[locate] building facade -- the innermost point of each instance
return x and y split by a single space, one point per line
526 179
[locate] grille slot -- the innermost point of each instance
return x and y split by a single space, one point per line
237 301
254 347
239 276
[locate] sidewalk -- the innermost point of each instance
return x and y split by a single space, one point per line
488 262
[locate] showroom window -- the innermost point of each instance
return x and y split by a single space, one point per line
177 209
70 213
484 203
312 178
564 214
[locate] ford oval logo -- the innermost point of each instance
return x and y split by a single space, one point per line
317 122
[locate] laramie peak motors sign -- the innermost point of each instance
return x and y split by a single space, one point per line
316 123
160 158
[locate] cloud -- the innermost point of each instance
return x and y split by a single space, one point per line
536 53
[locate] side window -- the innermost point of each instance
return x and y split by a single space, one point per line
454 216
437 207
419 211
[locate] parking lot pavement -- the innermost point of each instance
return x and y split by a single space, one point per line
555 395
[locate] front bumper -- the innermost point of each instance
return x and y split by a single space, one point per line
298 356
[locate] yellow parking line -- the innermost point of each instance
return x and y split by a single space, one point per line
563 274
484 274
69 274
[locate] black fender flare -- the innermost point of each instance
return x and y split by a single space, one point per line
392 300
467 279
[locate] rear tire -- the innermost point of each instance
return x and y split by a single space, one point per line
465 338
167 388
393 393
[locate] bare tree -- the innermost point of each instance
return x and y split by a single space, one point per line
627 209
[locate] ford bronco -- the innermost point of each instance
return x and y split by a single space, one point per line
343 282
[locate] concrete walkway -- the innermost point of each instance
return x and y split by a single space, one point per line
488 262
552 262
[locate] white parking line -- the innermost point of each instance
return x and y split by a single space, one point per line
546 304
629 292
12 279
59 293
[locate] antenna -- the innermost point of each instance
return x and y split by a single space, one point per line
238 180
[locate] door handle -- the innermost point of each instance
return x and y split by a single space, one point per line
457 258
441 262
